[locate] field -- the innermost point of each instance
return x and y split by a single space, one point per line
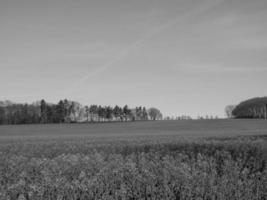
205 159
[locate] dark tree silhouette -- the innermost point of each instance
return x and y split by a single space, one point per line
252 108
154 114
70 112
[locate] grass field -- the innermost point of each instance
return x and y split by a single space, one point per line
179 128
208 159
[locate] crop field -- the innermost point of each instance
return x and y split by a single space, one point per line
202 159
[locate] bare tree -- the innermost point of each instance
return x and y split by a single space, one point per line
87 111
264 110
229 111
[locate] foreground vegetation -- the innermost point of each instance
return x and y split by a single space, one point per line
143 167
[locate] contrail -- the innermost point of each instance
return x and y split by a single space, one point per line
138 43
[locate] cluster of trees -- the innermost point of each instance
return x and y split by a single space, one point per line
255 108
252 108
19 114
182 117
207 117
187 117
66 111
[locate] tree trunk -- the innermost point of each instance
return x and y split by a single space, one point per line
265 112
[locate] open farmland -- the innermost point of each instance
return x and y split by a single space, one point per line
205 159
213 128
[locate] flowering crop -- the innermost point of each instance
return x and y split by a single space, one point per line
160 167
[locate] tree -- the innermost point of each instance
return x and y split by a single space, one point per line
87 111
2 115
229 111
117 112
265 111
154 114
126 112
60 112
144 114
252 108
93 112
109 113
101 113
43 108
138 113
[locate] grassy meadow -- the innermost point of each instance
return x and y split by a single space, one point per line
204 159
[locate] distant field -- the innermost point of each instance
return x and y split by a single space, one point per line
178 128
209 159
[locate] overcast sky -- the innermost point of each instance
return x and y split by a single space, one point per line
183 56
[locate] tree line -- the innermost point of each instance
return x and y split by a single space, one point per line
255 108
66 111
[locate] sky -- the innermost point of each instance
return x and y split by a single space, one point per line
190 57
